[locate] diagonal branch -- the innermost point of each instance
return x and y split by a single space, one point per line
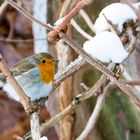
69 70
52 35
125 88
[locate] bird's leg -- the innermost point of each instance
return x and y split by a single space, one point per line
40 102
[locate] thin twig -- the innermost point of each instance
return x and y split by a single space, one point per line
128 77
82 32
84 86
3 8
132 82
95 115
69 70
28 106
7 40
87 19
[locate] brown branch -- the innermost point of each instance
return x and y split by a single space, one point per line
8 40
28 106
125 88
69 70
132 82
53 35
3 8
80 30
87 19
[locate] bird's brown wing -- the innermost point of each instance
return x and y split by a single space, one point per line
17 69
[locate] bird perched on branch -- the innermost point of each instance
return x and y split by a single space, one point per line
35 75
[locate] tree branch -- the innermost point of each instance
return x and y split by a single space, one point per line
125 88
53 35
8 40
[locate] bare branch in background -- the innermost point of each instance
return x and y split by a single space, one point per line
95 114
8 40
69 70
3 7
87 19
78 28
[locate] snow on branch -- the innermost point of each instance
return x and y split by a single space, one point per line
117 13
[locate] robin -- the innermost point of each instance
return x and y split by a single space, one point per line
35 75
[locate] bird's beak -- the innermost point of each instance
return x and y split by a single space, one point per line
56 61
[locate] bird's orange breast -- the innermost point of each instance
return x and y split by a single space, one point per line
47 72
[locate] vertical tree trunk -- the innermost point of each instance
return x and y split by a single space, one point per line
40 12
65 91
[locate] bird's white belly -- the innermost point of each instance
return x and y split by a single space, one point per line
31 84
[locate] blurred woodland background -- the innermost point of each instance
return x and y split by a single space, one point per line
119 115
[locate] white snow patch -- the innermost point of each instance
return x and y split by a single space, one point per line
43 138
106 47
59 21
117 13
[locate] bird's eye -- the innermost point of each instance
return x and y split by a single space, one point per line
43 61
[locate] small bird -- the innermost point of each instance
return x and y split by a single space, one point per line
35 75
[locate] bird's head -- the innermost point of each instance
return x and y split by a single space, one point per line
46 64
